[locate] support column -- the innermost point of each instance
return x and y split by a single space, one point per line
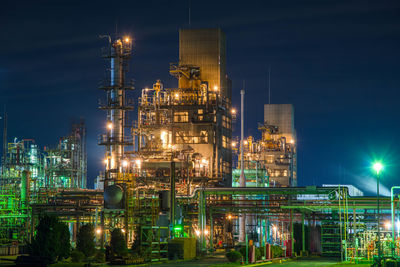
303 234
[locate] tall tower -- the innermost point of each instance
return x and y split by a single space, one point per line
206 49
115 140
281 163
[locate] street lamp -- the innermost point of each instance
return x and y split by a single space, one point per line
378 167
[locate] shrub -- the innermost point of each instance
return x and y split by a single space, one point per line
85 240
233 256
117 243
52 240
77 256
100 256
259 252
277 251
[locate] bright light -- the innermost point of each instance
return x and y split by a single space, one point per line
105 161
98 231
292 141
178 228
388 225
176 95
245 142
233 111
274 228
215 88
206 232
123 230
138 162
125 163
197 232
204 161
164 137
234 144
127 40
378 167
109 125
229 217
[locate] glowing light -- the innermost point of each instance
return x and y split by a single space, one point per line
138 162
98 231
206 232
229 217
234 144
204 161
388 225
245 142
127 40
164 137
125 163
110 125
378 167
274 228
215 88
292 141
176 95
123 230
197 232
233 111
105 161
178 228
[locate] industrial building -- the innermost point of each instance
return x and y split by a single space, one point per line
169 174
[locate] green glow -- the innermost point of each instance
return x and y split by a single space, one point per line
178 228
377 167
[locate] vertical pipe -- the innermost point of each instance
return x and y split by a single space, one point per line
303 234
242 179
172 196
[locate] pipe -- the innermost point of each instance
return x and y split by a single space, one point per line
259 190
242 179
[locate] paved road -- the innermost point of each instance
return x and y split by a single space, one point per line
313 262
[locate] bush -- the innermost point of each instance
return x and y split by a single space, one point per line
242 251
52 240
100 256
277 251
259 253
77 256
234 256
117 243
85 240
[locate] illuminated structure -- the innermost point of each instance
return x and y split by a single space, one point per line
32 176
191 124
272 161
66 165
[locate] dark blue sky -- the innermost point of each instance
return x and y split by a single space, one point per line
336 61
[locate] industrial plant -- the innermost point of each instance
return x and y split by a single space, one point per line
174 173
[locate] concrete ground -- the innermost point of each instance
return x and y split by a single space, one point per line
221 260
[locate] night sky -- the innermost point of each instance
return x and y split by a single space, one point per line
337 62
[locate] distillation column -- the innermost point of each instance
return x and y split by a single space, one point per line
116 106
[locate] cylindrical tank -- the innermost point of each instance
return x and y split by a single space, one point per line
25 188
113 195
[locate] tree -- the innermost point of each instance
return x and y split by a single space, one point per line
85 240
117 242
52 240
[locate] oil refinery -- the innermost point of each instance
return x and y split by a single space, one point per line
176 173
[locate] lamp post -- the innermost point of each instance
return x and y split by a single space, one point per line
378 167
